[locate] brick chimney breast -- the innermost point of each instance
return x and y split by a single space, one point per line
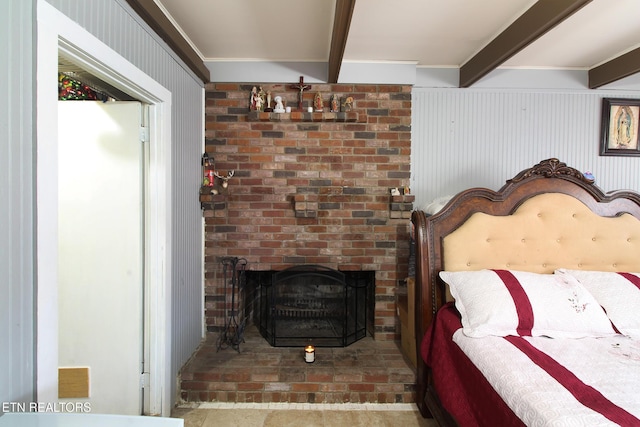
310 188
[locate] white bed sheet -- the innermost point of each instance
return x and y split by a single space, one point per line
610 365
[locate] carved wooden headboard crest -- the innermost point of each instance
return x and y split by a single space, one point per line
552 168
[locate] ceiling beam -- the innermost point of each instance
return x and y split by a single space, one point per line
623 66
537 20
157 20
341 24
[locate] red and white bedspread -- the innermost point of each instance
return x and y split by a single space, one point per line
562 382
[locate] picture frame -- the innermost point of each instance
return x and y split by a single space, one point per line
620 127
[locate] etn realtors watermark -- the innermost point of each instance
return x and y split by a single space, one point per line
68 407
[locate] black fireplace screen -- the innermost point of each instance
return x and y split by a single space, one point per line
312 304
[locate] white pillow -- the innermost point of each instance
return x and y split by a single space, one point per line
616 293
508 302
436 205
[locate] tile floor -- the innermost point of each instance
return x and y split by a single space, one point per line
367 371
301 414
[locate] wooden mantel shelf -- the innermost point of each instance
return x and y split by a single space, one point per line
296 116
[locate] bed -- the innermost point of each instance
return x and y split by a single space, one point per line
527 305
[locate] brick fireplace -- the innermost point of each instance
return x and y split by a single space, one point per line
310 188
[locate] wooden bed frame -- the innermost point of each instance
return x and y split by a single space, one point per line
558 219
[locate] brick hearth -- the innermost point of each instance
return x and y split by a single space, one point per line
367 371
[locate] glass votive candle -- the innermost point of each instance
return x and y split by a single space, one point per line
309 354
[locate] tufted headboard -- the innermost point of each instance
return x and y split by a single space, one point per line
546 232
546 217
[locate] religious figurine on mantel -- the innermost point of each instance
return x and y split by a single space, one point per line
263 98
253 99
317 102
335 103
279 106
267 107
347 103
258 103
301 87
257 99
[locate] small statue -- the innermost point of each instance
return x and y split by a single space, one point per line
347 104
268 104
221 183
279 106
252 99
301 87
263 98
335 104
317 102
258 103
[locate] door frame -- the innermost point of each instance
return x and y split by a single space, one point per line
57 33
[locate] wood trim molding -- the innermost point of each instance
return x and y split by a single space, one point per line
341 24
157 20
537 20
616 69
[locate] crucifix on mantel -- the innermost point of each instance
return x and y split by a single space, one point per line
301 87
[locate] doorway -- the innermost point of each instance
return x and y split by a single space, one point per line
58 35
101 252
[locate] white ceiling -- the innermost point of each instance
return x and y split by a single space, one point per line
428 33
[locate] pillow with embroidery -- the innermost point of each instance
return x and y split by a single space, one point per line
509 302
617 293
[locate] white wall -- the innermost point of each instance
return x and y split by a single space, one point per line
17 210
480 137
314 72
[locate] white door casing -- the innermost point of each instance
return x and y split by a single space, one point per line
59 34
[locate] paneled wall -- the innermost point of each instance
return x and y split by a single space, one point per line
17 207
481 137
115 24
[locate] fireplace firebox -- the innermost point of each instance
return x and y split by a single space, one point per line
313 304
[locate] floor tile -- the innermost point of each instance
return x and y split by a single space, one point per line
302 415
236 418
294 418
192 417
